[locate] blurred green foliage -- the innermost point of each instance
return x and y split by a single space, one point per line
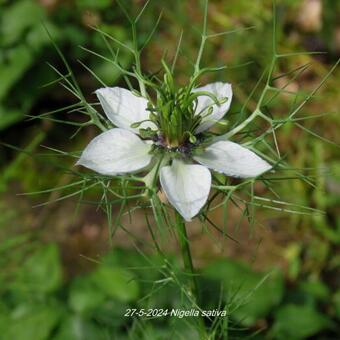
25 48
37 299
38 302
298 322
21 42
256 294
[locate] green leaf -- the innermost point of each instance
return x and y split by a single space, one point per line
31 322
42 271
18 60
298 322
252 295
77 328
18 19
116 282
84 296
111 313
9 116
315 290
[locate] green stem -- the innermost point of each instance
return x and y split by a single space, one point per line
189 267
186 255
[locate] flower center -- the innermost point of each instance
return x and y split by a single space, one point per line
184 148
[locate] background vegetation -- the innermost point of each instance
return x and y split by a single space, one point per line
60 276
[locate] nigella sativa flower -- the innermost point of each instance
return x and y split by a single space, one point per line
174 129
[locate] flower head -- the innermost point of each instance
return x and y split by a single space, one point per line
170 130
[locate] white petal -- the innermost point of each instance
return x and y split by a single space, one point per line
114 152
221 91
186 186
124 108
233 160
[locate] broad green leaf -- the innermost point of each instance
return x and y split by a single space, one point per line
315 290
31 322
18 60
42 271
252 295
116 282
9 116
77 328
295 322
18 18
84 295
111 313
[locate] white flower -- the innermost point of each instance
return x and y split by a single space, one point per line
187 186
